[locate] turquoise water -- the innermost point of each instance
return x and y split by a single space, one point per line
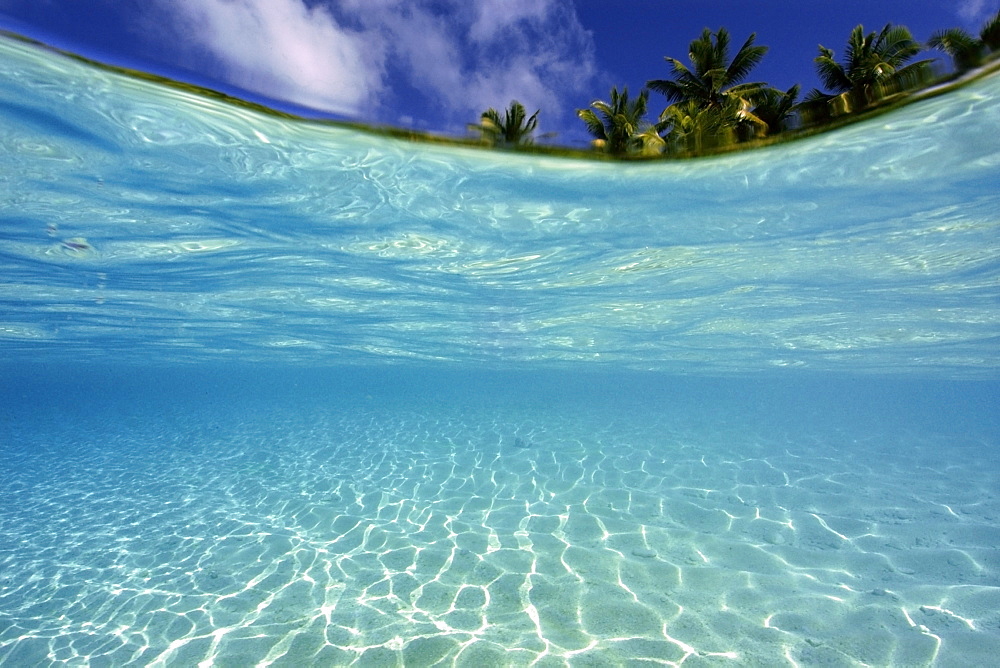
284 393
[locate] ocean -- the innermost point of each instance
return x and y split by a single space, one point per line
283 392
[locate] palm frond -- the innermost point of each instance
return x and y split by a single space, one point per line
721 49
677 88
533 121
703 54
952 41
648 142
747 58
858 46
668 88
491 118
895 45
594 125
912 76
990 34
816 95
607 112
748 90
831 73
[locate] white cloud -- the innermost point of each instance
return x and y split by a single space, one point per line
285 50
493 16
351 56
467 56
972 11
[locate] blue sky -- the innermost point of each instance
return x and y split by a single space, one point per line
436 64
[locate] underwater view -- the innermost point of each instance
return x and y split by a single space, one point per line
287 392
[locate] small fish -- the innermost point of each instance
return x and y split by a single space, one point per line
77 245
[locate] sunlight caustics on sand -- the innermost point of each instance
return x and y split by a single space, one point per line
319 534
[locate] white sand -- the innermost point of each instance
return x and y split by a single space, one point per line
409 539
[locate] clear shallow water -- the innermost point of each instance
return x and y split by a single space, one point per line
214 233
284 392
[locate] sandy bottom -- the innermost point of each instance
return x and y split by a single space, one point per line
368 535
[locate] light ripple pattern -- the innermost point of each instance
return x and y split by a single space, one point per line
138 216
674 524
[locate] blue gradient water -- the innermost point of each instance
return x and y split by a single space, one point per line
279 392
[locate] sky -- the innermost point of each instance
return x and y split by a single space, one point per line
435 65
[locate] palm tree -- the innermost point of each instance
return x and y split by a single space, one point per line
714 78
776 108
513 129
990 34
711 93
691 128
874 65
618 126
648 142
967 51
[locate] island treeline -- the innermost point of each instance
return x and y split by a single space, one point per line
712 105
